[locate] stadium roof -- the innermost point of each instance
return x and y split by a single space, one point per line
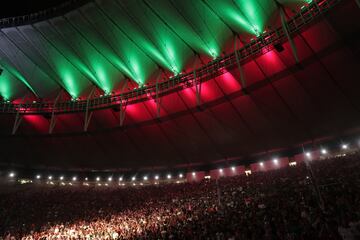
271 93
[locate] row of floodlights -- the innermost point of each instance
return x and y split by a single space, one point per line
323 151
98 179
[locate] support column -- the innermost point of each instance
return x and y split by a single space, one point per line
88 115
157 98
241 71
123 104
286 31
53 116
18 118
197 84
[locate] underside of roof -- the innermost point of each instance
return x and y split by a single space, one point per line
104 43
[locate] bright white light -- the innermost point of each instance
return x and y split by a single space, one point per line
86 179
220 170
109 179
61 178
120 179
233 168
193 173
133 178
248 172
12 174
38 176
98 179
50 177
323 151
180 175
261 164
156 177
344 146
145 178
276 161
308 154
74 178
169 176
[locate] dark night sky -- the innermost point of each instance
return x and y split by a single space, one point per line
16 7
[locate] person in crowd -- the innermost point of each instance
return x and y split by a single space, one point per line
278 204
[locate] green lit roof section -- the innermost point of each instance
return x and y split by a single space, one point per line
10 86
107 41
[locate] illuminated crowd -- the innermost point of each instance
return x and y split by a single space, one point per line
294 202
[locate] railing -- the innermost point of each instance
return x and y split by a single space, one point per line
41 15
261 44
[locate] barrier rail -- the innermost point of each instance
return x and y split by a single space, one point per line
261 44
41 15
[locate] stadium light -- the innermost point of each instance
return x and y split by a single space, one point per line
323 151
98 179
156 177
11 174
74 179
344 146
193 173
145 178
109 179
181 175
50 177
221 170
275 160
133 178
61 177
308 154
233 169
169 176
120 179
86 179
261 164
38 176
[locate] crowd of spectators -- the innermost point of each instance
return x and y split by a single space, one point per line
300 202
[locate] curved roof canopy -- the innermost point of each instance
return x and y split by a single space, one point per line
104 42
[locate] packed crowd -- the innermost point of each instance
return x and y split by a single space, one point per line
288 203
